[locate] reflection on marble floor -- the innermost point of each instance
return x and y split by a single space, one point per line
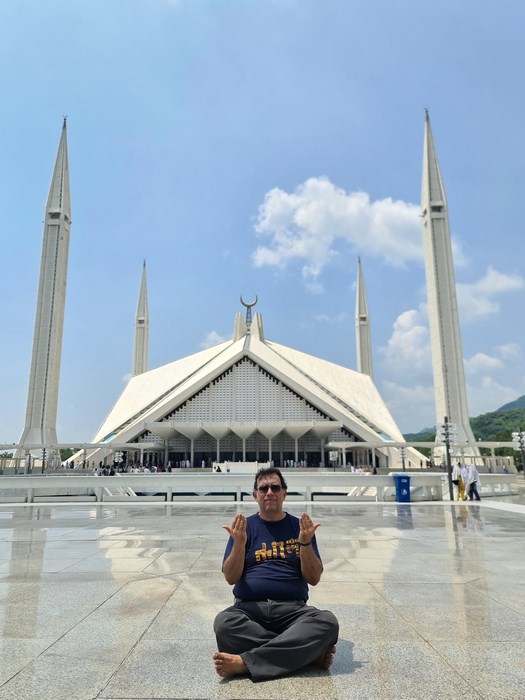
117 601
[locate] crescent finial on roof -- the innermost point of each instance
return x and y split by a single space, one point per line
249 306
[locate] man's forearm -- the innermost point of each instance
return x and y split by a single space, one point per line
234 564
311 566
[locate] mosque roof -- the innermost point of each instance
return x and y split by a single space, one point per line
343 395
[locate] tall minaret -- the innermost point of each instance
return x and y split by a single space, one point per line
140 345
362 326
445 339
42 400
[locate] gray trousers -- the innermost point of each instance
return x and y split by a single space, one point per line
275 637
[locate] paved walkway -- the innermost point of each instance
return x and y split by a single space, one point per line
117 601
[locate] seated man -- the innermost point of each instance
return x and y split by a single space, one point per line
270 559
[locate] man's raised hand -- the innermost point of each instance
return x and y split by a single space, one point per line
237 530
307 528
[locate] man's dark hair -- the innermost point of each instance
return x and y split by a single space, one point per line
268 471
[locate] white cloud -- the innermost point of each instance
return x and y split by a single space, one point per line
476 299
480 362
307 225
126 377
338 318
510 351
489 395
213 338
409 391
413 406
312 284
408 348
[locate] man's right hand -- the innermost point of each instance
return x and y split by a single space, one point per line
237 531
234 564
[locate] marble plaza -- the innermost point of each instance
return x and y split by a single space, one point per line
114 601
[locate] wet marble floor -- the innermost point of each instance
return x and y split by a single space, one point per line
117 601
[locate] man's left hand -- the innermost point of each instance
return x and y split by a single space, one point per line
307 528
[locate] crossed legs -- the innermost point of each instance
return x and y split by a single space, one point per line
273 638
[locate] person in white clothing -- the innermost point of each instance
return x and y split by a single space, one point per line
473 482
464 478
457 480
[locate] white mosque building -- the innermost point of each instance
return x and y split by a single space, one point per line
251 399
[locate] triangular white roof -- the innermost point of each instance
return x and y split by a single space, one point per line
342 394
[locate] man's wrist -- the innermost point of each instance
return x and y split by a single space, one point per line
305 544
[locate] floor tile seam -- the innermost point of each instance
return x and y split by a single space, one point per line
152 612
20 670
486 502
410 554
498 603
494 607
133 647
42 653
456 671
77 562
123 659
386 602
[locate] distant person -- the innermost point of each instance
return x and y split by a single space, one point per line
457 480
464 479
473 483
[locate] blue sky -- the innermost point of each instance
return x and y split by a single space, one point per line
259 147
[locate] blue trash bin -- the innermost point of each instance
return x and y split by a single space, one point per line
402 482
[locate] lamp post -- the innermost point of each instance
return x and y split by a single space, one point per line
518 443
402 454
118 458
445 435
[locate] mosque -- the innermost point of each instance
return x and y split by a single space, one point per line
249 399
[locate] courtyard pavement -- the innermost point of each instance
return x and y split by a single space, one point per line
117 601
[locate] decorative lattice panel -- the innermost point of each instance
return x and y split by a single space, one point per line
246 392
222 397
246 375
270 397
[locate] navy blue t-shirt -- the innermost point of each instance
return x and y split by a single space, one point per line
272 566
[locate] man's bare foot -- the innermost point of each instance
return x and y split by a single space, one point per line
228 664
326 659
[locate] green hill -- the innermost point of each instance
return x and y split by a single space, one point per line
425 435
497 426
519 403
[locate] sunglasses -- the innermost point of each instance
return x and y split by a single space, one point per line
274 488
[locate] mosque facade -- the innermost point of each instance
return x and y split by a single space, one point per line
251 399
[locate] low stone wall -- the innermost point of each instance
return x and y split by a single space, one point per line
305 485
